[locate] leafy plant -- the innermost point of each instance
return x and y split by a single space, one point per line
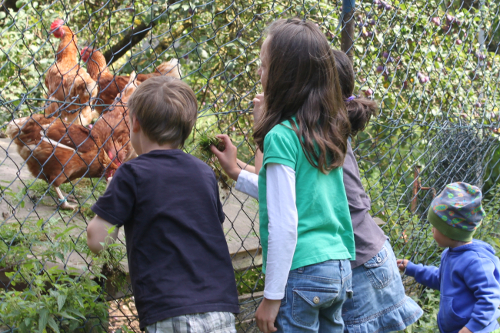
429 303
48 297
250 280
205 142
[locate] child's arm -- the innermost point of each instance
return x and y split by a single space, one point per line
282 239
480 279
113 209
231 165
98 234
426 275
245 166
227 158
247 181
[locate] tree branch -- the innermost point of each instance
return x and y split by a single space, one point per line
468 4
133 37
8 5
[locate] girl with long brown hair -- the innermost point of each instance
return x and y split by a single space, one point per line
378 302
305 227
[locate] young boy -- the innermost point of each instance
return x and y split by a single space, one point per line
168 202
469 275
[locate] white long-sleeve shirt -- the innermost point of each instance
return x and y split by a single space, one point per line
283 223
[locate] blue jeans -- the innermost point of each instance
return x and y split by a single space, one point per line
314 296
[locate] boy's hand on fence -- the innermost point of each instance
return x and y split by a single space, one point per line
465 330
402 264
258 103
227 158
266 315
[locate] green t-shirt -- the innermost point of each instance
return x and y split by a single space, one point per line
324 228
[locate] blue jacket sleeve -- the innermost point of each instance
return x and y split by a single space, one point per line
486 289
426 275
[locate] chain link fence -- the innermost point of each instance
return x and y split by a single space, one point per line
433 67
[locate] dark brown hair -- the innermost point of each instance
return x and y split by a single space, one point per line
302 81
166 109
360 109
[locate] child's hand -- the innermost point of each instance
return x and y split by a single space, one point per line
402 264
258 103
266 315
465 330
227 158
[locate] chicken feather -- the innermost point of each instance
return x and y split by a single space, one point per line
70 87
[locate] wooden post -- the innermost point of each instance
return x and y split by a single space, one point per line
417 187
347 35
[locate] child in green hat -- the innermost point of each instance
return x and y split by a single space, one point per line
469 275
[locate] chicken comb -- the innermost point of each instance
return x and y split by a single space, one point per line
56 25
84 50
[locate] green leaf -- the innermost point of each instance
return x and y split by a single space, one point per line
53 324
42 321
77 313
2 15
65 231
61 299
174 7
204 54
67 316
110 230
39 223
79 299
60 256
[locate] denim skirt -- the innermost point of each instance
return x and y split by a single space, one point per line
379 303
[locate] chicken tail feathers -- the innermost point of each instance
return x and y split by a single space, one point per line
170 68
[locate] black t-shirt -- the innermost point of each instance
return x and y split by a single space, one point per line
179 263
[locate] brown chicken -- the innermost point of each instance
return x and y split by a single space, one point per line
111 85
115 125
70 87
57 152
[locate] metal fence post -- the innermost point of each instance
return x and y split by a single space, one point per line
347 21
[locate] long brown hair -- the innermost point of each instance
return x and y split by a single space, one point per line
302 81
359 109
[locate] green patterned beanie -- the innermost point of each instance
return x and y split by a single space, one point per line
457 211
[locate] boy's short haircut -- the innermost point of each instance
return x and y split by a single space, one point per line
166 109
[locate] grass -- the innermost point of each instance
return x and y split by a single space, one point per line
86 188
86 191
205 141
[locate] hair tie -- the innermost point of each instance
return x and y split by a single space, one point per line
349 99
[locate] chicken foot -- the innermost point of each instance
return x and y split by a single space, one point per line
62 200
69 197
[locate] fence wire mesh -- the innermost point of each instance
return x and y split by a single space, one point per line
433 66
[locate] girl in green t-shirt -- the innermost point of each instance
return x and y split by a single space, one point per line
305 226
